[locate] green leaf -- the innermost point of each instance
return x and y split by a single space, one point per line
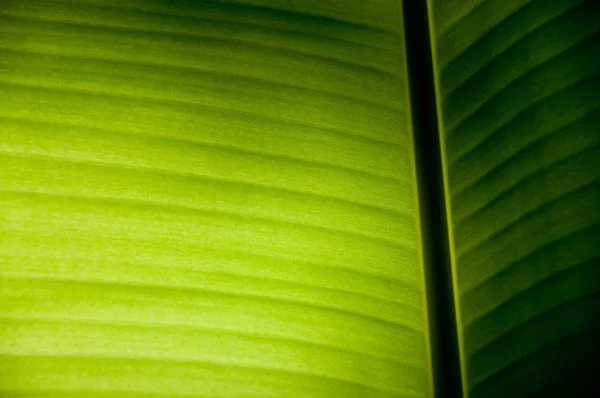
219 198
518 88
207 199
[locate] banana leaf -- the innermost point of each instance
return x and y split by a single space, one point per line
237 198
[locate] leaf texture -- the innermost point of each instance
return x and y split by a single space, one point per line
208 199
518 85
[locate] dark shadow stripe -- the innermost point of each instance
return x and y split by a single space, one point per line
445 355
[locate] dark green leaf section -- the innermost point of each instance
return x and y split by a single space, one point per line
207 198
519 85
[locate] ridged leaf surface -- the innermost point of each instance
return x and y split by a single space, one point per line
207 198
518 86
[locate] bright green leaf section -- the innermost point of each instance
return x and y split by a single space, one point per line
208 199
519 85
